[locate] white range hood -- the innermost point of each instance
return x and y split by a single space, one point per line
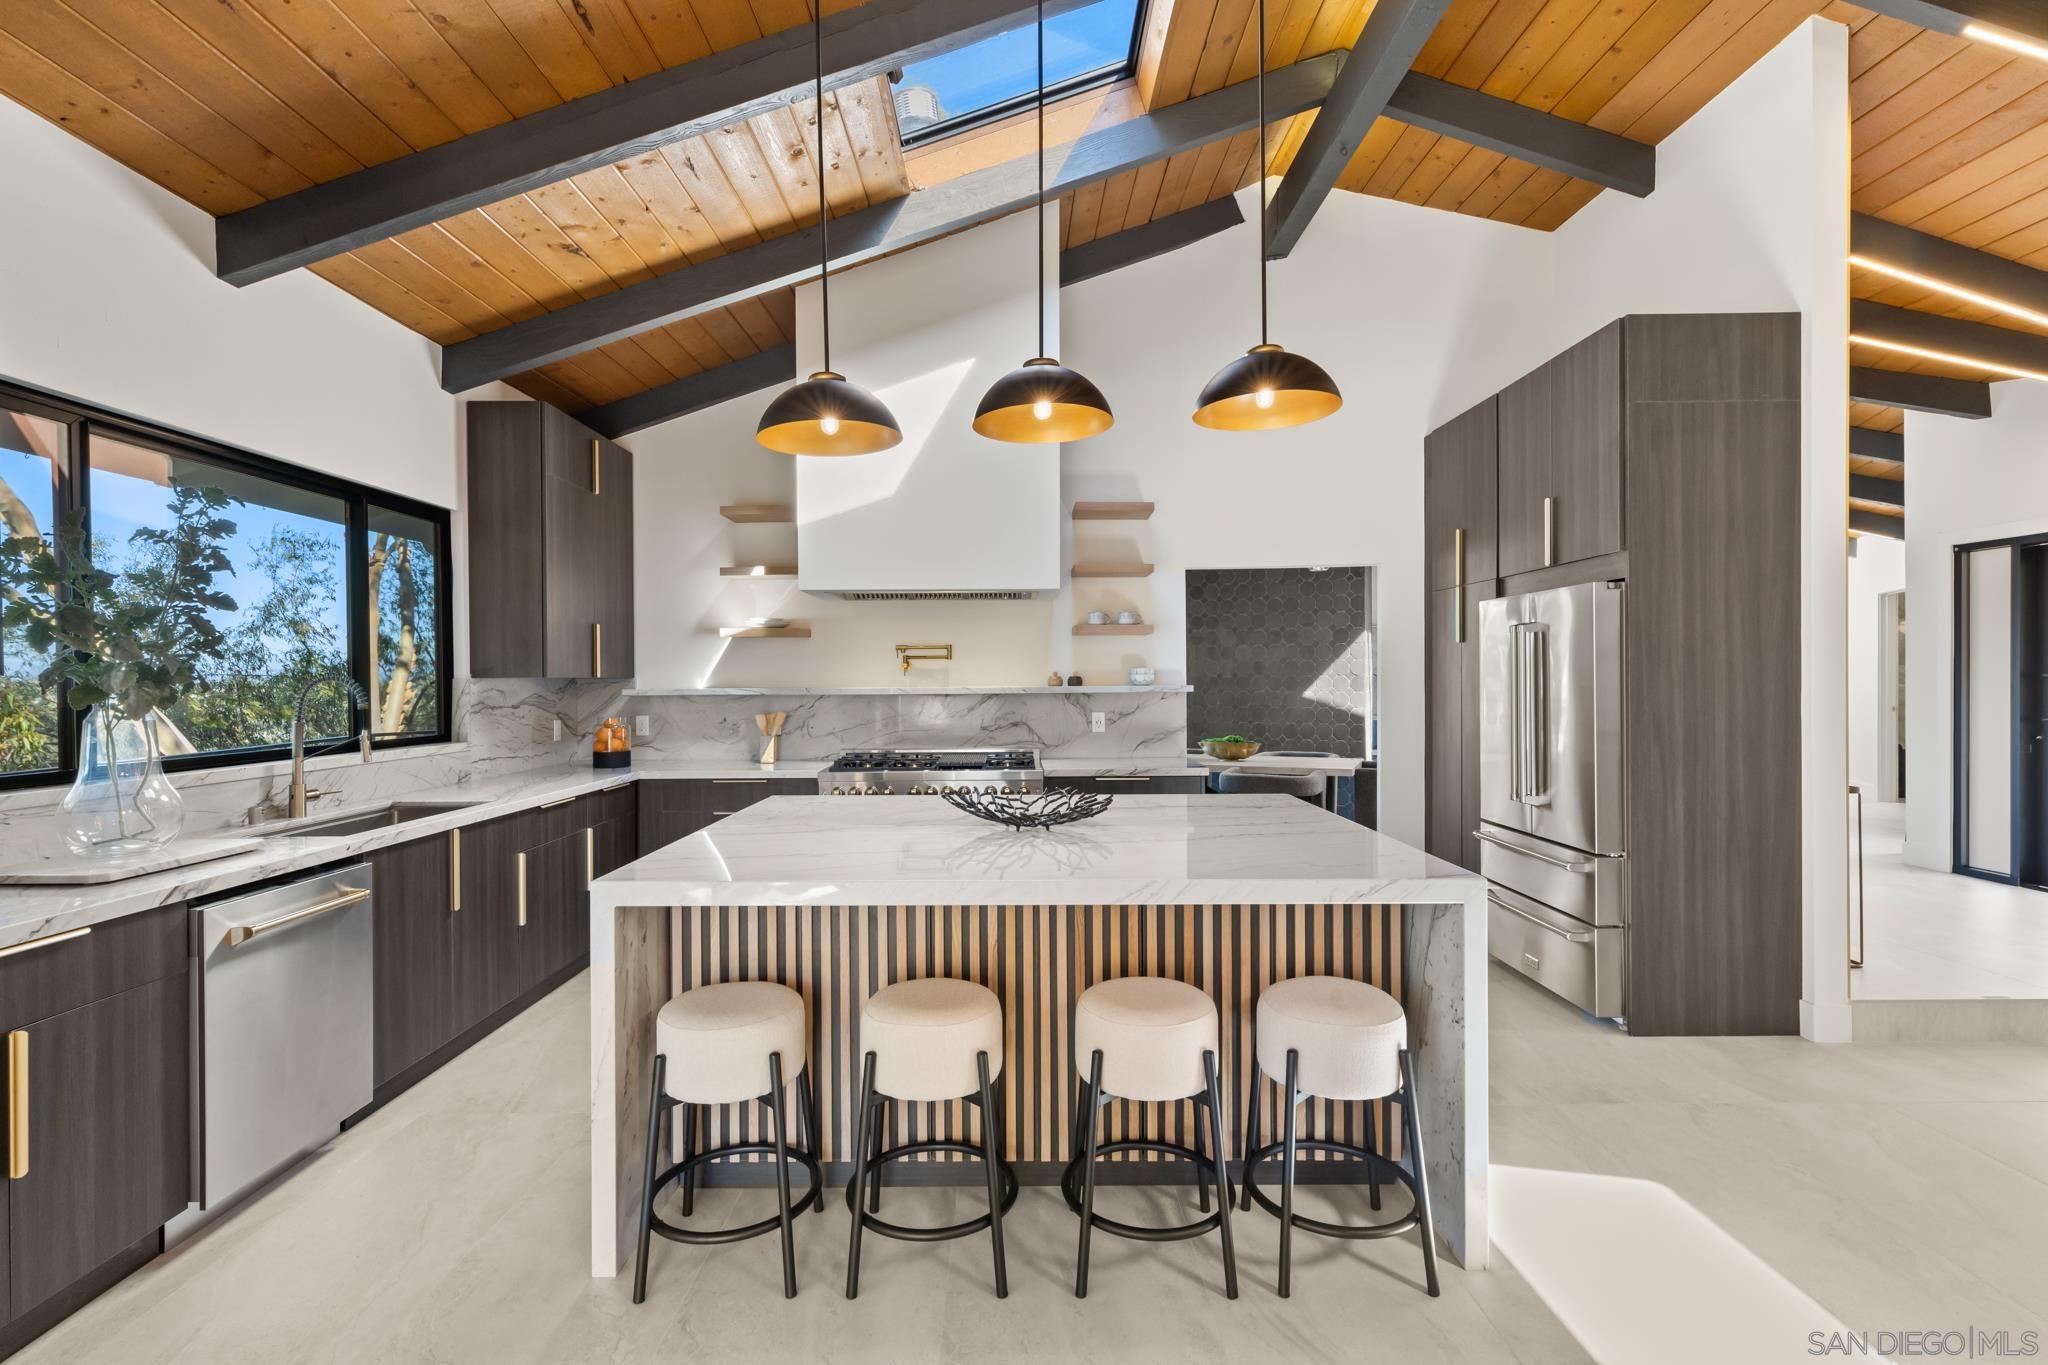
947 513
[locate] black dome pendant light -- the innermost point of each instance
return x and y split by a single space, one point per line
825 414
1266 387
1042 400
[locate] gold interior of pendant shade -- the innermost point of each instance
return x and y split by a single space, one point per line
825 415
1042 401
1266 388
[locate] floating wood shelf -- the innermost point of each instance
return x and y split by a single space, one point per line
765 632
758 571
1112 628
1112 571
758 511
1112 511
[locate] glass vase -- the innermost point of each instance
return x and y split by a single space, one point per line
120 805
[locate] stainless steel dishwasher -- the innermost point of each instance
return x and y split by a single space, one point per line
283 1052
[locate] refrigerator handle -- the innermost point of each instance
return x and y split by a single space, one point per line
1515 712
1532 714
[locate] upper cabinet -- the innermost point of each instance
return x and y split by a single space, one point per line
550 546
1460 475
1560 458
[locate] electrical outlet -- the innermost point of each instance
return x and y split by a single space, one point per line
640 726
1097 721
558 729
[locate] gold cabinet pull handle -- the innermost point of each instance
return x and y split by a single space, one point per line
597 649
550 805
242 933
17 1104
522 890
589 854
739 781
596 468
46 941
454 870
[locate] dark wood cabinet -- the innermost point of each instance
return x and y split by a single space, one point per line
1451 767
484 944
96 1031
1561 458
416 901
1460 483
550 546
1194 784
109 1136
675 808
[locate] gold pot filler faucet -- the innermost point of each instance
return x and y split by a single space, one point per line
909 654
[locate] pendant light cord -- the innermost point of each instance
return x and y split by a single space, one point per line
824 220
1264 339
1039 246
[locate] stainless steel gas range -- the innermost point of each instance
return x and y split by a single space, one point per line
928 772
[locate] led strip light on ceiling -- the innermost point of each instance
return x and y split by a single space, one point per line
1949 357
2010 42
1954 291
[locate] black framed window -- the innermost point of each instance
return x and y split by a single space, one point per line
326 578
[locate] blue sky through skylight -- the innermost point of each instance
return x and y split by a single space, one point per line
970 79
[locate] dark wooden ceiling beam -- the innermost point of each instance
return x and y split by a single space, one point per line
2021 18
921 216
778 365
1937 258
1866 444
611 125
1870 488
1877 524
1516 130
1394 33
1155 238
1958 337
1920 392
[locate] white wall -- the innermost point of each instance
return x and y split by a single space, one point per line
1992 484
111 298
1878 567
1417 313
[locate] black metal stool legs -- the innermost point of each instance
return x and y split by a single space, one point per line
647 1168
869 1158
1409 1104
1414 1173
861 1146
1251 1133
991 1145
1078 1181
1093 1098
780 1111
690 1150
1289 1102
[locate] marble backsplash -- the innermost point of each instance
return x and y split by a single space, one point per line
505 725
501 725
722 728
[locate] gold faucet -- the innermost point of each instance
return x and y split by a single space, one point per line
909 654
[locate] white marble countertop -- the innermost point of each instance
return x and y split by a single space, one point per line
1145 850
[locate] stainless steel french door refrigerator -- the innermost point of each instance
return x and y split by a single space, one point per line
1553 826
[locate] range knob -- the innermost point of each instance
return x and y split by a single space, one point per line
839 791
1008 790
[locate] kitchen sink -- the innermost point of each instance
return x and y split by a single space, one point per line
359 821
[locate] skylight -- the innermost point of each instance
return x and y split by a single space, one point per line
1086 46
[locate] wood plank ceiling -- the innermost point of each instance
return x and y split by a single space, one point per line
228 105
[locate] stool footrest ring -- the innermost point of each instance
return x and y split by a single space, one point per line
902 1233
814 1197
1407 1222
1070 1186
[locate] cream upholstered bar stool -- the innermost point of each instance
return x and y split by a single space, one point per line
929 1041
1332 1038
1152 1040
735 1042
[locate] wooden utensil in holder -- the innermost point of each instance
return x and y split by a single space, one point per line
771 723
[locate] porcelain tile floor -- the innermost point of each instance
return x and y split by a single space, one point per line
1655 1200
1936 936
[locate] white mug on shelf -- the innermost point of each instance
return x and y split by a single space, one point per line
1127 618
1098 618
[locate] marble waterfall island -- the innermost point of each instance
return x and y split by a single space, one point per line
838 898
